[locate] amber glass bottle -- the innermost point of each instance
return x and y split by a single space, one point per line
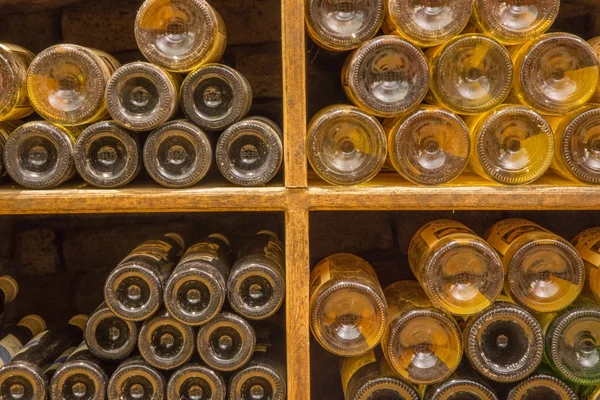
587 244
14 100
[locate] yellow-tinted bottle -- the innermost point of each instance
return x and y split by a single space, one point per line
348 311
555 73
544 385
426 23
14 100
515 21
6 128
470 74
458 270
345 145
421 343
544 272
430 146
511 145
587 244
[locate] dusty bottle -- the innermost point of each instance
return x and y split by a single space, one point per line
196 382
345 145
516 21
215 96
164 342
141 96
6 128
14 337
587 244
14 100
543 272
180 35
426 23
543 385
134 289
256 285
577 144
430 146
348 311
24 376
109 337
555 74
66 84
504 343
368 376
39 155
195 292
421 343
262 378
341 25
9 289
386 76
82 376
226 342
511 145
136 379
458 270
178 154
250 152
463 384
107 156
470 74
572 342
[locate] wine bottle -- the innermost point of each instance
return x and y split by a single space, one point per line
14 101
136 379
543 385
196 382
109 337
262 378
6 128
14 337
134 289
463 383
9 289
587 244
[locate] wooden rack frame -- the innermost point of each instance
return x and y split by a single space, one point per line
299 196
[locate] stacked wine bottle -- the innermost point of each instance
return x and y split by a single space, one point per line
76 90
458 84
164 310
522 304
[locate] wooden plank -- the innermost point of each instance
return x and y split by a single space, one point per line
294 92
297 314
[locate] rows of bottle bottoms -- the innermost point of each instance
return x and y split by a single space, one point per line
464 84
522 304
76 89
145 330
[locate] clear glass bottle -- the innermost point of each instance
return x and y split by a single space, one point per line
421 343
458 270
250 152
66 84
134 289
109 337
195 292
166 343
430 146
555 74
543 271
463 384
572 345
226 342
513 22
215 96
256 285
196 382
348 311
39 155
504 343
587 244
142 96
14 100
82 376
341 25
14 337
426 23
262 378
107 156
369 377
136 379
345 145
470 74
542 385
178 154
511 145
577 144
180 35
386 76
6 129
